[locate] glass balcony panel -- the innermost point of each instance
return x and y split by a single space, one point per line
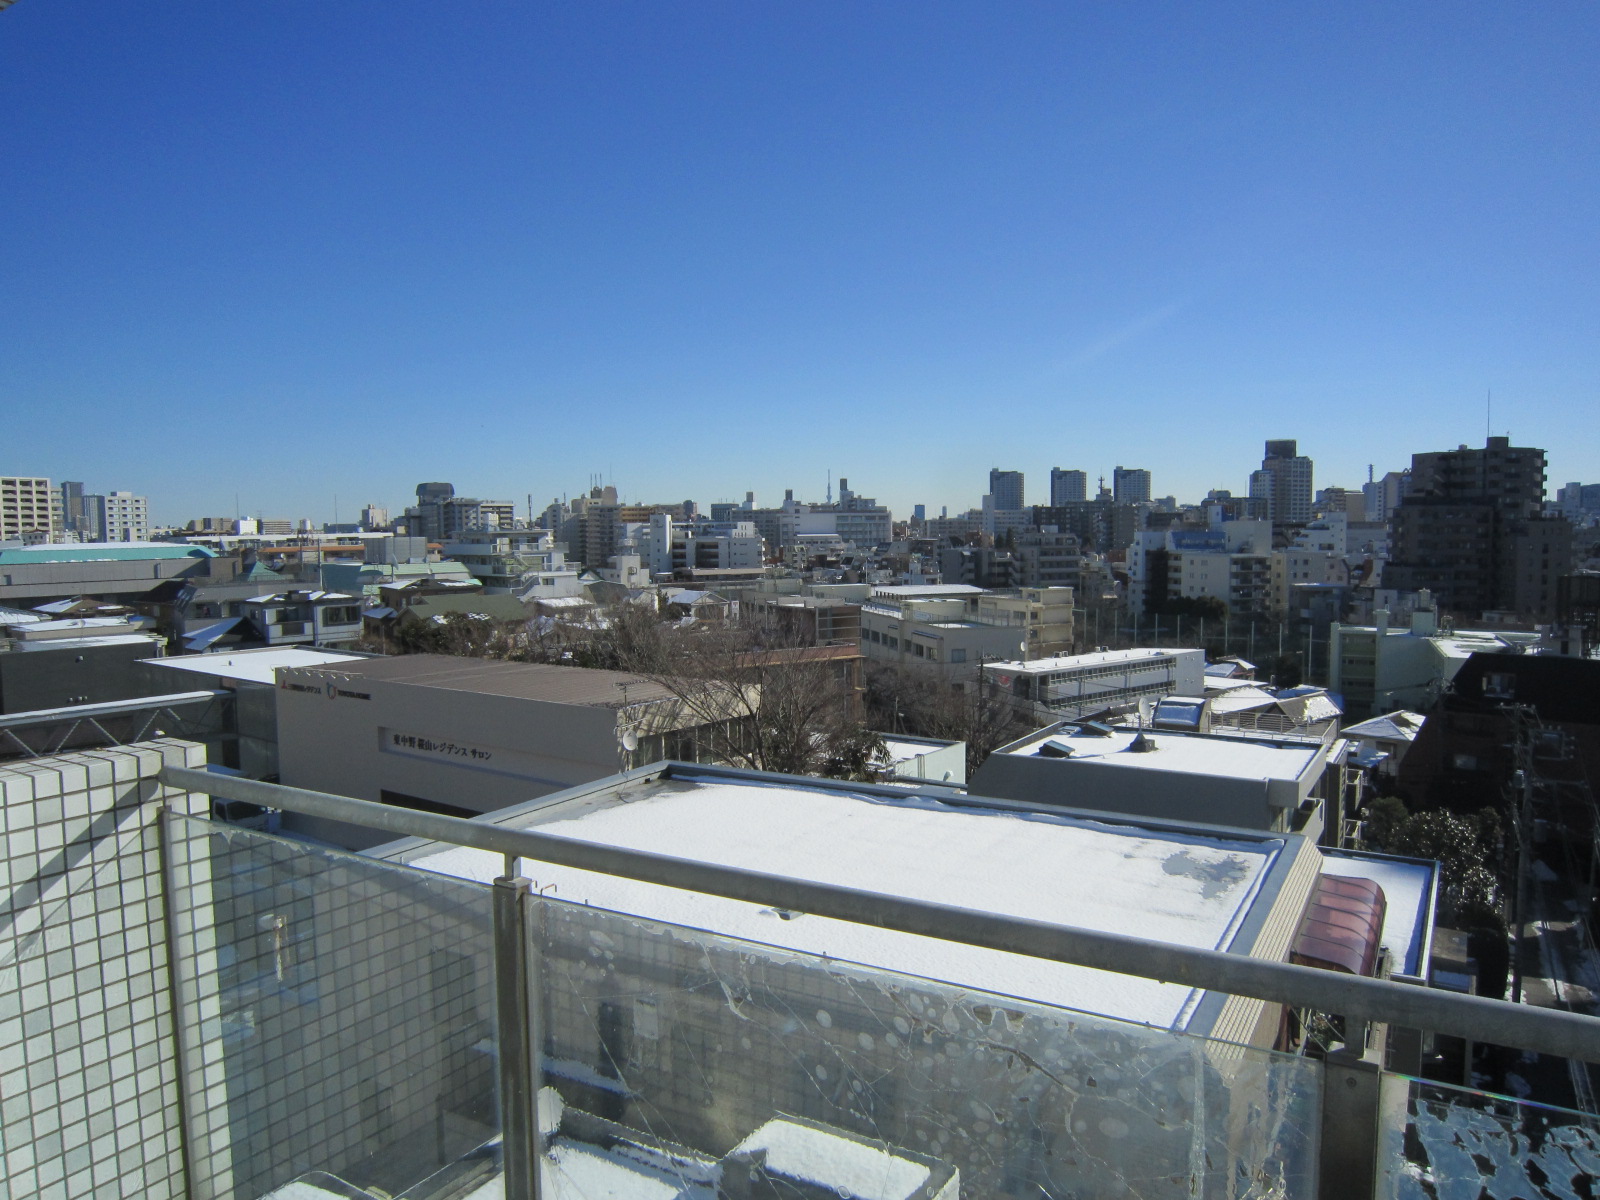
336 1015
700 1063
1460 1142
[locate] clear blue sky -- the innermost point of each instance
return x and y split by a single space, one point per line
297 249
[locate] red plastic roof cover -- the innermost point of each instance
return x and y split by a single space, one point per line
1342 927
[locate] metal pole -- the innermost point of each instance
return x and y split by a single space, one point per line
519 1076
1548 1031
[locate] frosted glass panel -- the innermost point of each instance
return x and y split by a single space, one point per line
1463 1143
720 1063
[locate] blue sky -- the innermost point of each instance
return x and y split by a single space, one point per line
300 250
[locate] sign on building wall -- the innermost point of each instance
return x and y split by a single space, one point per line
395 741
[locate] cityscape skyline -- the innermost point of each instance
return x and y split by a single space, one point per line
732 248
342 508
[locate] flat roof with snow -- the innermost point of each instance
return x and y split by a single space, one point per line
1140 878
1101 658
1229 755
252 666
1409 886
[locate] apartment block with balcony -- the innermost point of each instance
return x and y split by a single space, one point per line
1045 614
309 617
524 563
936 629
116 517
1390 665
1472 530
30 509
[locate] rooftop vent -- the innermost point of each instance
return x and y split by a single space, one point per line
1055 748
1142 744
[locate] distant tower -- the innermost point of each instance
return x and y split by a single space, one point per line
1067 486
1130 485
1290 493
1006 488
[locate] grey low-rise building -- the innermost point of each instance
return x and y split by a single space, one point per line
466 736
1281 784
47 664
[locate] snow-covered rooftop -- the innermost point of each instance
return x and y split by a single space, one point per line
1183 888
1192 753
251 666
1074 662
1398 726
1408 888
846 1165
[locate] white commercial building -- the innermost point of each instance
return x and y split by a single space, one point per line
1083 685
1232 562
1389 665
666 546
465 736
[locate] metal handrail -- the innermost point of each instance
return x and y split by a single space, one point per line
1547 1031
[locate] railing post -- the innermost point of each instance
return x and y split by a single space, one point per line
519 1079
1352 1086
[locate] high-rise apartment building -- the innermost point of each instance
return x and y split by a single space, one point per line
439 513
1068 487
1472 530
1130 485
1288 483
29 508
72 510
116 517
1006 488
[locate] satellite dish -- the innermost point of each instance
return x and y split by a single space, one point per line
630 740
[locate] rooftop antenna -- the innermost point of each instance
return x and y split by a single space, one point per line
1488 412
830 485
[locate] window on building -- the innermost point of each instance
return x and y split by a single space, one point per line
958 656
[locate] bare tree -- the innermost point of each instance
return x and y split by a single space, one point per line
759 697
923 703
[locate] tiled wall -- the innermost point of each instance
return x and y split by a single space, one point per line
89 1097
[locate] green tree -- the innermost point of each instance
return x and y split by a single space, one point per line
1468 849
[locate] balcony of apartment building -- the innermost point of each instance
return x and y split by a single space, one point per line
541 1004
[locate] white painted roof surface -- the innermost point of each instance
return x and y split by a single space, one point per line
1398 726
849 1167
898 751
109 639
1195 754
251 666
1184 889
1407 887
1243 699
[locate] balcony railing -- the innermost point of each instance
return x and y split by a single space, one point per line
189 1008
426 1036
